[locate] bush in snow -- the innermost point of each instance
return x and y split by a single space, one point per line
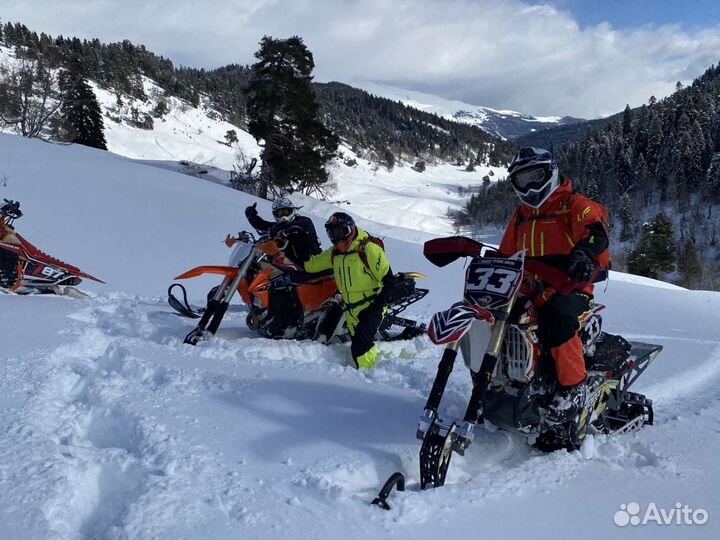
231 137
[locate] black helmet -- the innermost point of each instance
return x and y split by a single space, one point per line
341 228
534 175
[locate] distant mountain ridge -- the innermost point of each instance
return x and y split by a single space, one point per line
504 124
384 130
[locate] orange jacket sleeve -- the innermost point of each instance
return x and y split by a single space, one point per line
584 213
508 245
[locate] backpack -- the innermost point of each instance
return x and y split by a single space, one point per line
361 249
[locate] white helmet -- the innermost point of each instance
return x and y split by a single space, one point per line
283 209
534 175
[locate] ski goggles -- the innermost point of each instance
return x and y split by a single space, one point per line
338 233
533 178
283 212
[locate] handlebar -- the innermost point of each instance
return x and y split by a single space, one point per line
10 210
443 251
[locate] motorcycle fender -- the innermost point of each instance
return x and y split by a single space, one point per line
451 325
198 271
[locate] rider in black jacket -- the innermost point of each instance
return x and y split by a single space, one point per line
302 243
299 231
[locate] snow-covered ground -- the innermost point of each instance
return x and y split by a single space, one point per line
112 428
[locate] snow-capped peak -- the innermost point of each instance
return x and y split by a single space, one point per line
505 124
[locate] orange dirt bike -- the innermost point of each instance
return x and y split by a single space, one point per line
24 269
257 266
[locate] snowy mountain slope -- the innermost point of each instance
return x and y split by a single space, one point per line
189 139
501 123
112 428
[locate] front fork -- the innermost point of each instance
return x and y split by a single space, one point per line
481 381
219 303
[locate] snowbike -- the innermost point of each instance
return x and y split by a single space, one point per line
514 381
31 270
258 265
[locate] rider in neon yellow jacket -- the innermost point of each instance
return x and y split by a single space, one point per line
359 283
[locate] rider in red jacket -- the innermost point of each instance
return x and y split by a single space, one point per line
567 231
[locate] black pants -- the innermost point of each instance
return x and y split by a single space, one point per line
8 269
559 322
558 318
284 309
369 321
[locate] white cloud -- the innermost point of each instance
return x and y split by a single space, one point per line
504 54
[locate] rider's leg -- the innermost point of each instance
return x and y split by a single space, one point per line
10 271
559 326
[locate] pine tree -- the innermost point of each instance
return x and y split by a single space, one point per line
689 265
656 250
591 190
712 179
627 123
643 180
655 142
627 217
283 114
81 117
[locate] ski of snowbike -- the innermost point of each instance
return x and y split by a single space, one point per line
183 307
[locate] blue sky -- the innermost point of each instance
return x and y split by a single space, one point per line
624 14
544 58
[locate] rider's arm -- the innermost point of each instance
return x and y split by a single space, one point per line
319 262
589 226
377 261
259 224
312 236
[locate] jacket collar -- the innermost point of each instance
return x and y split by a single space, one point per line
355 245
560 194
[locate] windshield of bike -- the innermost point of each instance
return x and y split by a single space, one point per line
492 282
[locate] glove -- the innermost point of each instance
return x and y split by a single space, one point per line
394 289
581 266
251 211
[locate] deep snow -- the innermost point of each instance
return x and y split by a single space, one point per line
112 428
